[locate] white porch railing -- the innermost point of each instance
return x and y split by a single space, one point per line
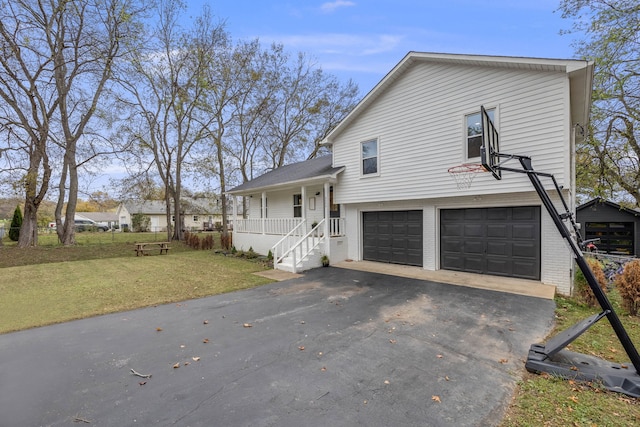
280 226
298 247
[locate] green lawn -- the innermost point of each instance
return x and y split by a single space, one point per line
51 284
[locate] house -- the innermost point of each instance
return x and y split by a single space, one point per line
109 219
617 228
385 195
198 214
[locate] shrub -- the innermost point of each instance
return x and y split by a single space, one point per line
16 223
582 288
225 240
628 284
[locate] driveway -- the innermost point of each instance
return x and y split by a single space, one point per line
335 347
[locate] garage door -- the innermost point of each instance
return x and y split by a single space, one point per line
497 241
393 237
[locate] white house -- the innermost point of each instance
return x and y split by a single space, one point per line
385 195
198 214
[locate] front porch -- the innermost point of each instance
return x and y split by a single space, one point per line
295 243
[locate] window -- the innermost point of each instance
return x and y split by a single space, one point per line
473 123
297 205
370 157
195 218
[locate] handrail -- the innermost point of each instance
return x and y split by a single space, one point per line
286 239
302 247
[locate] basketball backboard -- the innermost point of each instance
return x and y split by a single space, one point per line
490 145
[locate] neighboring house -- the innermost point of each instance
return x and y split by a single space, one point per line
110 219
617 228
385 195
198 214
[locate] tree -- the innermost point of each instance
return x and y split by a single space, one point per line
608 163
166 85
16 223
57 59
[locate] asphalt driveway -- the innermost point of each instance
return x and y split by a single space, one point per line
335 347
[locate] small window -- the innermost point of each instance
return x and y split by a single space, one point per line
195 218
370 157
173 218
297 205
473 124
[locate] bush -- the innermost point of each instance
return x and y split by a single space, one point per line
628 284
582 288
16 223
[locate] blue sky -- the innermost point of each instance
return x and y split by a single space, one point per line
365 39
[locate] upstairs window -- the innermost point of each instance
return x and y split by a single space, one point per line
473 130
369 153
195 218
297 205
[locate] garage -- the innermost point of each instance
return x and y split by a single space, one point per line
501 241
393 237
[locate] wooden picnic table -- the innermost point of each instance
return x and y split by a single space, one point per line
143 248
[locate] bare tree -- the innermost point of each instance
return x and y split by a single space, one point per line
58 56
166 84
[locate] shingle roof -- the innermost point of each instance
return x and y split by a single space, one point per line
293 173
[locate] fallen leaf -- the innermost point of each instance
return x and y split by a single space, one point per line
323 368
574 399
186 363
206 322
142 382
301 348
302 322
196 358
247 325
365 402
435 398
439 356
446 378
176 366
503 361
159 329
392 341
573 368
182 346
387 382
206 340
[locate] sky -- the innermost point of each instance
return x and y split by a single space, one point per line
363 40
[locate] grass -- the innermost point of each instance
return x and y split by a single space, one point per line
50 283
544 400
101 274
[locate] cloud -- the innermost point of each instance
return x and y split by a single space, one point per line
330 7
340 43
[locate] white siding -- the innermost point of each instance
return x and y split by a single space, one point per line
419 121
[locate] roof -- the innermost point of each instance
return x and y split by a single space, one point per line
99 216
601 201
306 172
190 206
580 75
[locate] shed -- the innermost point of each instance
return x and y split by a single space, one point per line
617 227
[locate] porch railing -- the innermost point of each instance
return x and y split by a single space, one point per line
282 226
301 247
283 247
279 226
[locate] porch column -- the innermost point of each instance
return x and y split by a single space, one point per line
327 219
235 213
303 194
263 208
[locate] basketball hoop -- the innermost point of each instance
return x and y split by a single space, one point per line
464 174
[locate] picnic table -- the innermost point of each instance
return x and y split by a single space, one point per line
143 248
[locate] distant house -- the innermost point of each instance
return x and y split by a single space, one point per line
110 219
616 227
384 194
197 214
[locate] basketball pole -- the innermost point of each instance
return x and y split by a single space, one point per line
541 357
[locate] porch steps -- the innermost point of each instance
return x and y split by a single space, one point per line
312 260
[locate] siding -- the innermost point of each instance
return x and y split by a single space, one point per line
419 121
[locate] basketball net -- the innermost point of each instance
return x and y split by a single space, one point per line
464 174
